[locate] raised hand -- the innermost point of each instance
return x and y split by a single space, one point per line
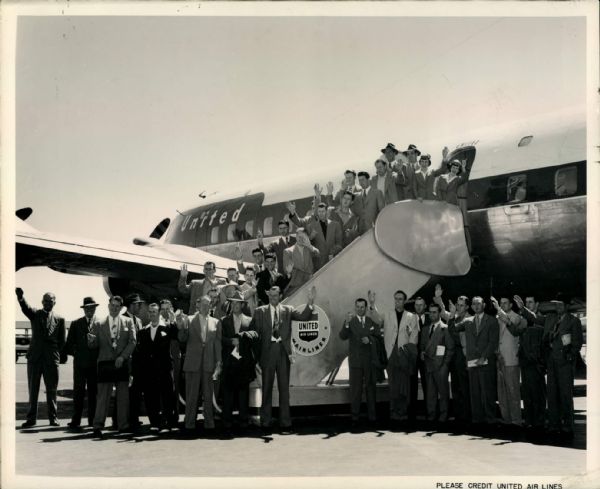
445 153
312 293
329 188
519 302
184 270
259 235
438 290
494 303
452 308
238 253
19 292
318 189
349 317
371 298
291 207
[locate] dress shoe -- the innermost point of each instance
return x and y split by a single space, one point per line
97 433
73 425
354 426
28 424
286 430
54 422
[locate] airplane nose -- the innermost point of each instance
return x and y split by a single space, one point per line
427 236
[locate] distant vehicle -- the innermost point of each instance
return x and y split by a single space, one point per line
22 342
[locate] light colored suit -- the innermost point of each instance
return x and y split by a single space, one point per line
126 341
390 192
197 289
367 207
327 245
203 355
401 348
302 259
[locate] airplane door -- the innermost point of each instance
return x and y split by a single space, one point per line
465 153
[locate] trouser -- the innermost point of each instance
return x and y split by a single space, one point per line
84 377
437 390
461 402
35 371
159 396
414 388
135 400
560 395
362 377
276 363
533 390
399 388
509 393
232 390
483 393
193 382
103 404
177 363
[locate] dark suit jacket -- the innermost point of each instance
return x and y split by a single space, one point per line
554 329
367 208
238 371
154 356
327 245
103 342
359 353
262 325
484 344
277 247
439 337
77 344
265 281
44 347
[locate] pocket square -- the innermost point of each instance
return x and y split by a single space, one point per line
162 333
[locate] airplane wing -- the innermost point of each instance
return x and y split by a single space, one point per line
153 263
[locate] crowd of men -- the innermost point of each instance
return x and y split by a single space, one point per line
235 330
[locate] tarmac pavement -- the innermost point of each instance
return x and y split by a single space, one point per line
320 446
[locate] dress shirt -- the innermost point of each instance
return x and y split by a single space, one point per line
237 322
381 183
203 327
113 323
153 330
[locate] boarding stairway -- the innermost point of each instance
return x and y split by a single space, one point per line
410 242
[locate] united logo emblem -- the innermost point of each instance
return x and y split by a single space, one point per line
311 337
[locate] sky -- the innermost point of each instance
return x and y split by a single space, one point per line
122 120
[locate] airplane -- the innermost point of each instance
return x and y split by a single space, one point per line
524 206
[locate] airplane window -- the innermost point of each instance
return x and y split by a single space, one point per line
231 232
214 235
516 188
565 181
268 226
250 228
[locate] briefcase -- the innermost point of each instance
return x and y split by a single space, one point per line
107 372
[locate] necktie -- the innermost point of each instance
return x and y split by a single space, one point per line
477 323
203 326
276 324
49 325
420 323
89 324
431 328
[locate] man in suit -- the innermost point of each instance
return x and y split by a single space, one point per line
562 339
348 185
133 303
272 329
44 354
533 364
436 350
284 242
156 366
400 334
258 256
368 202
510 327
481 335
386 181
461 402
360 330
402 165
268 278
325 234
85 362
238 362
168 316
298 262
198 288
115 340
249 291
202 365
423 321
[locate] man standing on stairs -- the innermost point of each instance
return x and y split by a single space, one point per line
368 202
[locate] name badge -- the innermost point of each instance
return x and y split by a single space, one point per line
440 350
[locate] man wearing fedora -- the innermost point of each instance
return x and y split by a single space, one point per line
405 167
84 363
133 303
43 356
271 326
238 361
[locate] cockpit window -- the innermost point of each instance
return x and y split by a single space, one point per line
516 188
565 181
